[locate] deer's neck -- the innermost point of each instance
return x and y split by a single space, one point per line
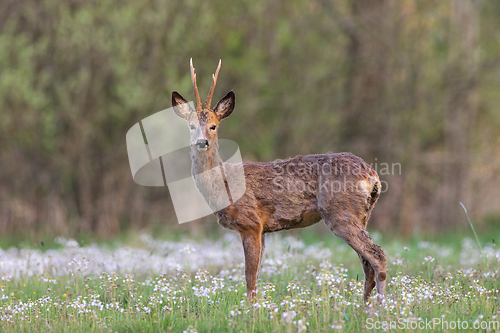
206 169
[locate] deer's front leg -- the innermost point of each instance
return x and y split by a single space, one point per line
253 248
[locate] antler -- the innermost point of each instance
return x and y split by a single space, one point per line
195 87
212 88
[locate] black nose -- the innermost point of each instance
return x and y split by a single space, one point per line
202 144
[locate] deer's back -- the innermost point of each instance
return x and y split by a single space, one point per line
299 191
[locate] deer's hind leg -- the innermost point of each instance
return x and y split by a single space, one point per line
349 229
369 277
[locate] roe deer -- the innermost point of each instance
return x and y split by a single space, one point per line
341 189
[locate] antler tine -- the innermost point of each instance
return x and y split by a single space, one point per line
195 87
212 88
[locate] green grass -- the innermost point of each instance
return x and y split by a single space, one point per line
311 284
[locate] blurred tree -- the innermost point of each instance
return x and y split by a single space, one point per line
408 82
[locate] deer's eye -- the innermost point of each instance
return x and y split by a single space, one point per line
192 128
212 127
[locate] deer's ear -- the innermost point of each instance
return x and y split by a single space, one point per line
225 106
181 106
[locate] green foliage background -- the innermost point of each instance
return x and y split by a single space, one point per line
409 82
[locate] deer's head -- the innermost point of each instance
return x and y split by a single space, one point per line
204 121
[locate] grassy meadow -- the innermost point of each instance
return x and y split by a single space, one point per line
310 281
